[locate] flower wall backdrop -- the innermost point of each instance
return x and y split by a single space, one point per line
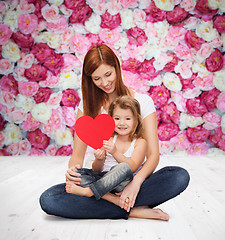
171 50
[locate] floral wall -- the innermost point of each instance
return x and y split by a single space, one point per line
171 50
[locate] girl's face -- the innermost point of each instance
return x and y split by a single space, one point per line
104 77
124 121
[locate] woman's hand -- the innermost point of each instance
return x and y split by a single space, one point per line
73 176
129 194
109 146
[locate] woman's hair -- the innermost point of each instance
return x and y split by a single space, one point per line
127 102
94 97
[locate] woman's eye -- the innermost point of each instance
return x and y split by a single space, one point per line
96 79
108 74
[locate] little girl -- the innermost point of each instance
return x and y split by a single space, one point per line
119 158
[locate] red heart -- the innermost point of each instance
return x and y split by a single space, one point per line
94 131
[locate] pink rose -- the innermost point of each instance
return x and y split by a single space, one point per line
71 4
4 152
170 113
7 99
166 131
70 98
28 88
6 66
136 36
169 67
184 68
56 120
13 148
110 36
50 13
217 138
51 80
179 100
183 51
177 15
204 51
42 95
30 124
59 26
212 120
147 69
80 44
5 33
160 95
220 103
3 7
203 7
42 52
25 41
81 14
110 21
27 60
14 115
195 107
94 39
215 61
219 23
129 4
36 152
38 139
131 64
198 149
193 41
2 138
154 14
69 115
54 63
36 73
51 150
204 83
64 151
188 5
24 147
158 116
71 62
197 134
181 141
25 7
209 98
27 23
2 123
55 99
9 84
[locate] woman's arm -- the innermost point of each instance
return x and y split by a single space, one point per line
98 164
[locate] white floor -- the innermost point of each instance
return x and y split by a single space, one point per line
198 213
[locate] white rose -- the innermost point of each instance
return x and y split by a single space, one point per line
191 93
123 41
166 147
68 79
92 25
56 2
127 20
41 112
206 30
11 51
200 68
12 134
214 4
172 82
10 19
219 80
166 5
24 103
144 4
63 137
187 120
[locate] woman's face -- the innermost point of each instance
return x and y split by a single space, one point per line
104 77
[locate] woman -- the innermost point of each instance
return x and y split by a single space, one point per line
101 84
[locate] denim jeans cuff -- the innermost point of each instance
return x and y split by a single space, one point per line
95 191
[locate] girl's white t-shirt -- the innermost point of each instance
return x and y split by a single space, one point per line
147 107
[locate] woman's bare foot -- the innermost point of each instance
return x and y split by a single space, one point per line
146 212
75 189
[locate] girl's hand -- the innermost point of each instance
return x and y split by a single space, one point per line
100 154
109 146
73 176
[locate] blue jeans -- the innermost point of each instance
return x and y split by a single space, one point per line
101 183
159 187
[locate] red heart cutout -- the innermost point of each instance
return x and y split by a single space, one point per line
94 131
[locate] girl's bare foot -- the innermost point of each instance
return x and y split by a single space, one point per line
146 212
75 189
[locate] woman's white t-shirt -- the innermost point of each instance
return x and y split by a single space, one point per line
147 107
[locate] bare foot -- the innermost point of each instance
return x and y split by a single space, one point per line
149 213
75 189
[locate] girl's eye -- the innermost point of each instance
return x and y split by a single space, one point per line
116 119
127 118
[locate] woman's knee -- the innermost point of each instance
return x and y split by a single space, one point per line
182 178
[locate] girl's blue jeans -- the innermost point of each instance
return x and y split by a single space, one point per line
101 183
159 187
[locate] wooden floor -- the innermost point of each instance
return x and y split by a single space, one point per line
198 213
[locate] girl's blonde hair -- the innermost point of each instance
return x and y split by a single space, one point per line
94 97
127 102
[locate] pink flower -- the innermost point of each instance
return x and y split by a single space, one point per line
179 100
94 39
54 63
131 64
177 15
219 23
51 80
3 7
81 14
28 88
7 99
169 67
212 120
136 36
59 26
204 83
25 41
129 3
69 115
154 14
51 150
71 62
198 149
64 151
215 61
203 7
27 23
36 73
183 51
14 115
204 51
170 113
38 139
181 141
42 52
147 69
13 148
110 36
55 99
80 44
70 98
30 124
4 152
110 21
160 95
50 13
6 66
2 123
2 138
24 147
166 131
184 68
25 7
197 134
42 95
27 60
220 103
193 41
5 33
158 116
48 129
217 138
210 98
71 4
9 84
36 152
56 119
195 107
